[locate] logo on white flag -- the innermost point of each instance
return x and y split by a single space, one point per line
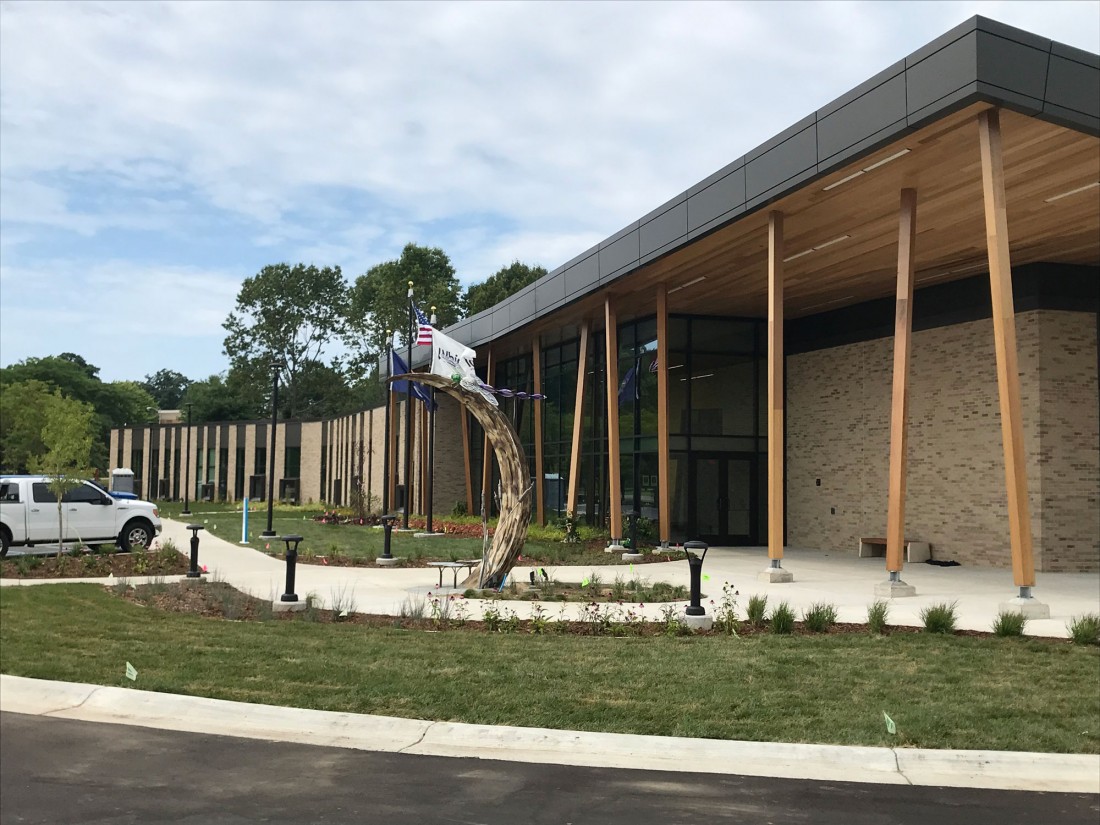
450 358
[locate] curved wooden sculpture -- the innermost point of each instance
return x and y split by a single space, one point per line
515 486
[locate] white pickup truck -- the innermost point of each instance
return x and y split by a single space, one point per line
28 515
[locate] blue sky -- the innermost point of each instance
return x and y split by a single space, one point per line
153 155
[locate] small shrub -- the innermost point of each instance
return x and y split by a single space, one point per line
414 608
877 614
491 617
670 621
538 619
510 623
756 610
459 509
819 617
725 615
782 619
939 618
1009 623
1085 630
342 602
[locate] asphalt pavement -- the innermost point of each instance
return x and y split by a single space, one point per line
61 771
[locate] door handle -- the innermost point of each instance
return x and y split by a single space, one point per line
72 509
34 509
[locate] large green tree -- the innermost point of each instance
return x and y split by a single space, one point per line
289 315
167 388
22 411
506 281
379 300
68 433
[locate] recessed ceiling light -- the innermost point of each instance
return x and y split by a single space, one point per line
1084 188
842 181
829 303
816 248
799 255
866 169
689 283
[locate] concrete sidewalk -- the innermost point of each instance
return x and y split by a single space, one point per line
840 579
944 768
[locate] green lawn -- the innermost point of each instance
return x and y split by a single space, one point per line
943 692
365 543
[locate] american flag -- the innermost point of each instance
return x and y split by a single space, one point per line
424 329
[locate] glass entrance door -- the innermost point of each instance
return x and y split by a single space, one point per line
724 496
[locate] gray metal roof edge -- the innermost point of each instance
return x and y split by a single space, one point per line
952 71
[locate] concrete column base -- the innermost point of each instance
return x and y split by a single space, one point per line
614 547
775 575
381 562
1031 608
697 622
628 556
288 607
894 589
426 535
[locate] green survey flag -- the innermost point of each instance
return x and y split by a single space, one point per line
891 728
131 673
584 582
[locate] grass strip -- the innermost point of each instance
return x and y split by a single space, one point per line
942 691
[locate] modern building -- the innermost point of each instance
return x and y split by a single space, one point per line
882 323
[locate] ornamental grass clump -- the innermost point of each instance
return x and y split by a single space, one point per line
819 617
1009 623
756 610
1085 630
782 619
939 618
877 614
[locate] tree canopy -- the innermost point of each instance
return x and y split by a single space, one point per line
167 388
379 299
506 281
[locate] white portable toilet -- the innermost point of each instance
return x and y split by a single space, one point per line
122 480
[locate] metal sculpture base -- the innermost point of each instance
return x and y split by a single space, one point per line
384 562
288 607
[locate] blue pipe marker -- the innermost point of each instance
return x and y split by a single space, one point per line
244 524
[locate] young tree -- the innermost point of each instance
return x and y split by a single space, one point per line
22 411
287 314
505 281
379 300
67 431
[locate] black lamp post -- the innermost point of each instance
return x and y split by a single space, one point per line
292 543
187 466
194 573
695 564
271 458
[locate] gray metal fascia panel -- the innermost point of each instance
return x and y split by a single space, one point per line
662 230
959 99
1006 32
724 198
941 74
550 291
878 110
862 89
618 255
791 158
1076 55
482 328
1013 66
583 275
522 307
781 189
1073 85
944 40
667 206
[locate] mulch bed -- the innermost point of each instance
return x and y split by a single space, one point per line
95 565
220 601
342 560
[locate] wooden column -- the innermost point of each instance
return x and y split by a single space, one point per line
664 494
578 423
487 449
1004 335
899 408
540 491
465 416
775 386
611 351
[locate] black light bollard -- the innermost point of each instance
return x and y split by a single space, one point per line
633 515
387 526
291 565
194 572
695 563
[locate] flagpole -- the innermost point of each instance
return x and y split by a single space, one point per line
431 436
386 443
637 508
408 415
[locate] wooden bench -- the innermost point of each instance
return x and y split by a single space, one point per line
915 551
454 567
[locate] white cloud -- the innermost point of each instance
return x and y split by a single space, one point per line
341 131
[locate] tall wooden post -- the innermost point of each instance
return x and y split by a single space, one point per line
775 572
611 351
899 407
540 487
578 423
1004 335
664 494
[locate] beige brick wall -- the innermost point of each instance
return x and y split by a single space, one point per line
449 482
838 431
311 462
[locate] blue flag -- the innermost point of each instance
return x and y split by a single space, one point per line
628 389
398 367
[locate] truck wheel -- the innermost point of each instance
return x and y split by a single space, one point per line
137 534
5 542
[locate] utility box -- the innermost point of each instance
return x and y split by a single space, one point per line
122 480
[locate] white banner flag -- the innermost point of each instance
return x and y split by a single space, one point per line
450 358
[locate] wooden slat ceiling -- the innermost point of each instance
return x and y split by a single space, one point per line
943 164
